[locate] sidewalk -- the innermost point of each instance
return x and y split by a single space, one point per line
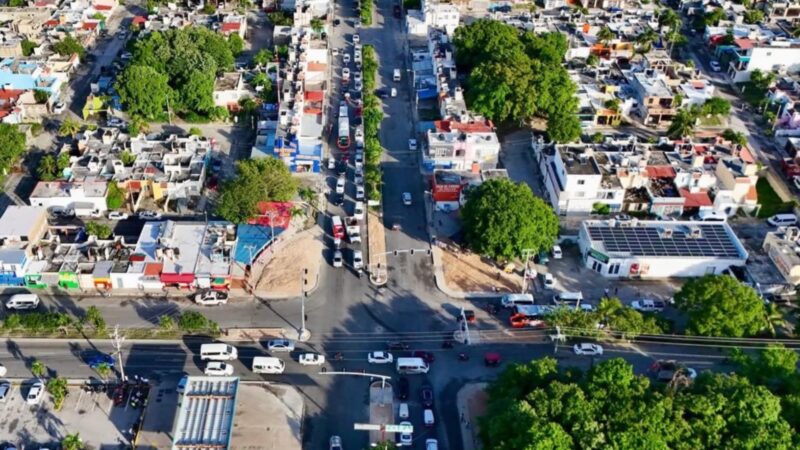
471 404
281 268
376 245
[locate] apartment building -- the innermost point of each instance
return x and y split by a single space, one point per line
654 96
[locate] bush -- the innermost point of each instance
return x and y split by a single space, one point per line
194 321
37 321
57 387
115 198
101 230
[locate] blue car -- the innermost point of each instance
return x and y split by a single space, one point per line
100 358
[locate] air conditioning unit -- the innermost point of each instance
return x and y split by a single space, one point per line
792 233
695 232
666 233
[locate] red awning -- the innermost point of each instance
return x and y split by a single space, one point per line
177 278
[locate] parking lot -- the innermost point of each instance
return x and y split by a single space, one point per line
91 415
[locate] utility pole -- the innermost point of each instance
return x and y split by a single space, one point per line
465 327
303 334
527 254
117 340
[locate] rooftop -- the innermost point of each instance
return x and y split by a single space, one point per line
205 416
50 189
228 81
578 162
18 221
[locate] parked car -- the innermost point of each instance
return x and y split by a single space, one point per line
116 215
5 391
218 368
358 259
346 58
360 193
59 108
796 181
280 345
331 164
714 64
211 298
338 260
557 252
587 349
406 438
426 395
340 185
648 305
407 198
335 443
149 215
358 210
380 357
95 359
427 417
412 144
358 86
337 199
431 444
357 77
402 388
311 359
548 281
356 38
402 411
35 393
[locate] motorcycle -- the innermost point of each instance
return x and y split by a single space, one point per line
463 357
447 344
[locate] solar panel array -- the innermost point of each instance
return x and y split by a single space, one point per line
714 241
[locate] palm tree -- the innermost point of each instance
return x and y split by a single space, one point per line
47 168
773 319
670 19
69 127
605 35
38 369
646 39
72 442
682 125
317 26
607 308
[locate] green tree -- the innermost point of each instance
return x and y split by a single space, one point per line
735 137
194 131
144 91
670 19
47 168
605 35
12 145
262 57
279 18
69 46
256 180
563 127
138 125
28 47
127 158
166 323
101 230
486 40
236 44
116 197
592 60
713 17
716 106
69 127
682 125
94 316
57 387
549 48
38 369
646 38
719 305
104 370
72 442
63 161
317 26
753 16
502 218
191 321
760 80
40 96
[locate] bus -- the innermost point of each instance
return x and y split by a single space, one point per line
529 315
344 128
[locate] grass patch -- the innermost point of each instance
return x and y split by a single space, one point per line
770 201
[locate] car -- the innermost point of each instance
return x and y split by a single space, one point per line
331 164
427 417
356 38
666 370
428 357
62 213
431 444
357 23
380 357
311 359
59 108
341 168
549 281
280 345
357 58
336 22
358 259
218 368
358 210
335 443
412 144
35 393
5 391
337 199
149 215
357 47
116 215
407 198
116 122
402 388
714 64
359 192
211 298
181 387
358 178
346 71
587 349
338 259
406 438
647 305
382 93
796 181
358 160
122 35
95 359
358 86
346 59
357 77
557 252
426 395
543 258
340 185
402 411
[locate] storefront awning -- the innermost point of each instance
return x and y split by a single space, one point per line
177 278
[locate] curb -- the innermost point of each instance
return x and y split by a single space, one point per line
438 276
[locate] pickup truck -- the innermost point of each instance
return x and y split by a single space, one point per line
353 229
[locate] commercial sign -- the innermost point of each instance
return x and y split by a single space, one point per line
598 256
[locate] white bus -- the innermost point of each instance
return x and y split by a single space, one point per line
411 366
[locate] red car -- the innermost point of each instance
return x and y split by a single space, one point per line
426 356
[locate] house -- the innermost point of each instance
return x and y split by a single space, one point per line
695 92
28 74
463 142
745 55
781 248
234 24
444 16
784 10
85 198
229 88
654 96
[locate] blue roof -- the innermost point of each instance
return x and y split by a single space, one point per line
251 240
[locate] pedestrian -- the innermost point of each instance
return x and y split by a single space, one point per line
606 291
616 289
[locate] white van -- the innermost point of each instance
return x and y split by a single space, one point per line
511 300
567 298
710 216
396 75
412 366
218 352
268 364
23 301
782 220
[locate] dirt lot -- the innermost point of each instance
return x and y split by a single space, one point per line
92 416
377 243
281 276
466 272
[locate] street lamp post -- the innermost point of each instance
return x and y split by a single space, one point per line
303 334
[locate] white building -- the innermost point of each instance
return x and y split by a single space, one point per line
659 249
84 198
696 92
780 56
441 15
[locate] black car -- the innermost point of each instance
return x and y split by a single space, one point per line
402 389
426 395
336 22
337 199
341 167
397 345
382 93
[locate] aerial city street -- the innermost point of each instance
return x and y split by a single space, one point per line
318 224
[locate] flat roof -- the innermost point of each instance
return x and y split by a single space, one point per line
685 239
206 412
48 189
148 240
18 220
185 238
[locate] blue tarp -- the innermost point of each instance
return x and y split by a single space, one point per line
252 240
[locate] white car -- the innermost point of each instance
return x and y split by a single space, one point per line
5 391
358 86
58 108
557 252
358 259
796 181
335 443
149 215
331 163
116 215
35 393
715 66
311 359
431 444
345 73
402 411
587 349
340 185
338 260
359 192
357 47
549 281
380 358
357 77
357 57
211 298
407 198
356 38
346 58
280 345
406 438
218 368
412 144
358 211
647 305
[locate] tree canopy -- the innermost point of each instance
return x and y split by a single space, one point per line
610 318
12 145
69 46
719 305
256 180
502 218
536 406
516 76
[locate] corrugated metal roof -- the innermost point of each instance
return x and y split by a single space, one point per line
205 417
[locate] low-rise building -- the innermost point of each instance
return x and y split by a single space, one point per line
229 89
462 143
85 198
783 249
656 100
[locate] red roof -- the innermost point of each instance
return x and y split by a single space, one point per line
230 26
468 127
743 43
139 20
315 96
695 199
10 94
89 25
103 7
282 209
746 156
316 67
660 171
51 23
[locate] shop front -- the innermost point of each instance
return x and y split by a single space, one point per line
178 280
